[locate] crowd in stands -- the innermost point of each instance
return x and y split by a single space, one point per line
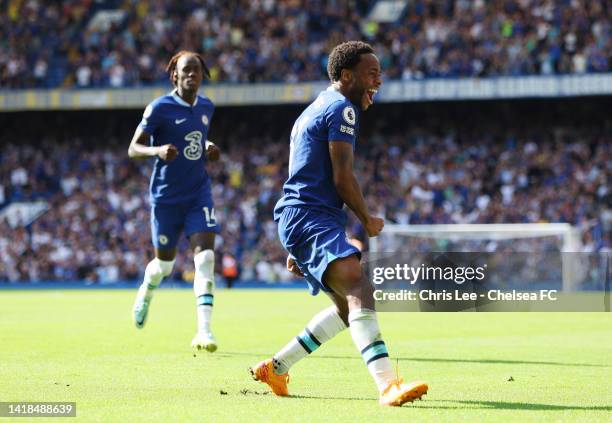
97 227
62 44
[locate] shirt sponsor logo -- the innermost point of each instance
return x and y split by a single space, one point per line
349 115
193 151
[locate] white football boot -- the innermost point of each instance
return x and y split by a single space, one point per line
141 307
204 341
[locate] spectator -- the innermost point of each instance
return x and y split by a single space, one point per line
288 41
94 228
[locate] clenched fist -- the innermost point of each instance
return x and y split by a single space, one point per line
374 226
167 152
212 152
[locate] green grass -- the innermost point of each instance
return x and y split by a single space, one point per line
82 346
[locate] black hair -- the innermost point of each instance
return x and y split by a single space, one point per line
346 56
172 63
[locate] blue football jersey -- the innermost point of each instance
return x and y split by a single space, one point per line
171 120
331 117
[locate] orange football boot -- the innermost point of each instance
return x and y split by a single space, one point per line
398 392
264 372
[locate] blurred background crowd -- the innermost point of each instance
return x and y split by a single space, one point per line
118 43
412 171
497 162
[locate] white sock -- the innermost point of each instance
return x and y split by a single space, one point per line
366 335
203 287
323 327
154 273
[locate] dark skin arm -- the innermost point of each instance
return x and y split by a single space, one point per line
341 154
140 150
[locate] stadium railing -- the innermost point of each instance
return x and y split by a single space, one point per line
295 93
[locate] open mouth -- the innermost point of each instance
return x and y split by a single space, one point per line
369 97
371 92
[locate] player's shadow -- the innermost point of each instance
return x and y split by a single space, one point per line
502 405
256 393
497 361
333 398
427 359
467 404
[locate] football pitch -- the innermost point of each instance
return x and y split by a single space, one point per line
82 346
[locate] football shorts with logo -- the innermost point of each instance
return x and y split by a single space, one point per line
190 217
315 239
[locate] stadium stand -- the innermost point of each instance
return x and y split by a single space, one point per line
442 165
112 43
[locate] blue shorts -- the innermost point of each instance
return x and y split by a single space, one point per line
314 239
169 220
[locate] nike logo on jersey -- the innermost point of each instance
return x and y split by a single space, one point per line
179 121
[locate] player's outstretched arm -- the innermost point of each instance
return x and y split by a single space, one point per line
341 154
139 149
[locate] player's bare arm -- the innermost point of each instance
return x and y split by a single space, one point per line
341 154
140 150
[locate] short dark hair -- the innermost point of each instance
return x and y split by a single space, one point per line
171 67
346 56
